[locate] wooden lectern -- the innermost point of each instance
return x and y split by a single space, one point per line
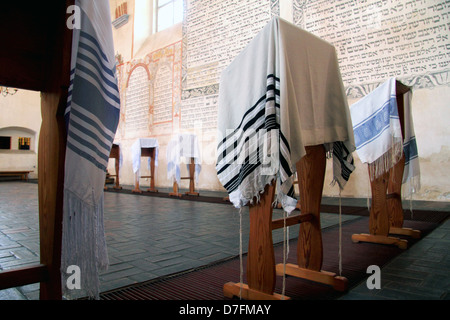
147 152
386 212
261 268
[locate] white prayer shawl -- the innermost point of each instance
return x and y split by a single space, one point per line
281 93
376 125
92 116
378 134
183 145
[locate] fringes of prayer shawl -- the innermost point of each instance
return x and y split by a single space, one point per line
92 115
83 246
343 163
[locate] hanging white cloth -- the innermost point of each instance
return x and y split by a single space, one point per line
376 125
92 116
411 173
136 154
183 145
281 93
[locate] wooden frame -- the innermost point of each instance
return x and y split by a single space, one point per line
386 212
261 268
37 57
115 154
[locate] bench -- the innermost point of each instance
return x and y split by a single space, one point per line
22 174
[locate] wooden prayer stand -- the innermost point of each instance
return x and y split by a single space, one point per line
261 269
191 178
38 58
147 152
115 154
386 212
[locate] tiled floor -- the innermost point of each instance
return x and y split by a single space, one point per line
148 237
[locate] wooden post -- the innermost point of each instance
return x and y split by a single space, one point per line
379 224
51 160
191 178
311 174
261 275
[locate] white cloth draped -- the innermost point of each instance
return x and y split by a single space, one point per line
411 173
183 145
281 93
136 153
378 133
92 116
376 125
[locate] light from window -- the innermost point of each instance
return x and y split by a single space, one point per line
170 12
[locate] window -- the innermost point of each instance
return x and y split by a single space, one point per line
24 143
5 142
168 13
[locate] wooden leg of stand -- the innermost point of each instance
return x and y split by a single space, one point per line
261 275
311 174
152 171
117 185
175 190
50 188
394 202
379 224
136 185
192 179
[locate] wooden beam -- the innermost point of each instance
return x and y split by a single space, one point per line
23 276
290 221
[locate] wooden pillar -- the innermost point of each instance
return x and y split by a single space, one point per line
191 178
311 175
51 159
115 154
261 274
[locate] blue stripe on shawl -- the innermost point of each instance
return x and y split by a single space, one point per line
86 95
410 150
372 127
86 156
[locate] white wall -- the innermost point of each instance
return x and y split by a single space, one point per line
20 117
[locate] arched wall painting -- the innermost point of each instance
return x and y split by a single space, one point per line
151 93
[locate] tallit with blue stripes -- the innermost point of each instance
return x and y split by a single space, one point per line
92 117
378 133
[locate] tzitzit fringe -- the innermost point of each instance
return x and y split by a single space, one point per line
284 255
340 234
241 268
